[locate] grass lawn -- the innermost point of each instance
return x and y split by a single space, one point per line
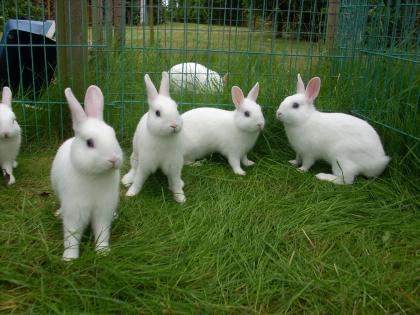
274 241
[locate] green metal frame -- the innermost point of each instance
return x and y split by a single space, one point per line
366 53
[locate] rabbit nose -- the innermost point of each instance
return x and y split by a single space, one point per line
114 161
173 125
278 114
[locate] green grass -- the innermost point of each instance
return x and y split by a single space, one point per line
203 36
274 241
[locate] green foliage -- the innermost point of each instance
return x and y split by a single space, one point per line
220 12
392 24
24 9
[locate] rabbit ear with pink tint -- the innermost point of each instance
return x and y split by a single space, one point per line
7 96
164 84
312 89
300 86
94 102
225 78
237 96
78 115
150 88
253 94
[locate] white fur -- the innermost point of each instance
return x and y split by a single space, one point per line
157 142
86 179
10 137
349 144
196 77
230 133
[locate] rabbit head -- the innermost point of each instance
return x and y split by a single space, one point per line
163 118
248 114
9 128
95 148
297 108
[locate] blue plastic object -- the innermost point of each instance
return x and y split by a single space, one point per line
27 55
35 27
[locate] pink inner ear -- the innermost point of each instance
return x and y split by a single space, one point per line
164 84
237 96
312 89
237 99
94 102
94 111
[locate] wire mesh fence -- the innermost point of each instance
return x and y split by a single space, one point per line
366 53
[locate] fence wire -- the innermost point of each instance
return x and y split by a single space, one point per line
366 53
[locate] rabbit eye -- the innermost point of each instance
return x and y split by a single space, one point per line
295 105
247 114
158 113
89 143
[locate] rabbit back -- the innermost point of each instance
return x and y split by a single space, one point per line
340 137
192 76
208 130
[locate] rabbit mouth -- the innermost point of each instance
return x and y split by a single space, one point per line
115 164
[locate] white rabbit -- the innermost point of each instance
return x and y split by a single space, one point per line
10 137
157 142
348 143
230 133
85 174
194 76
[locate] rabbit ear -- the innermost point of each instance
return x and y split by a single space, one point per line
150 88
312 89
7 96
94 102
164 84
253 94
237 96
225 78
300 87
78 115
